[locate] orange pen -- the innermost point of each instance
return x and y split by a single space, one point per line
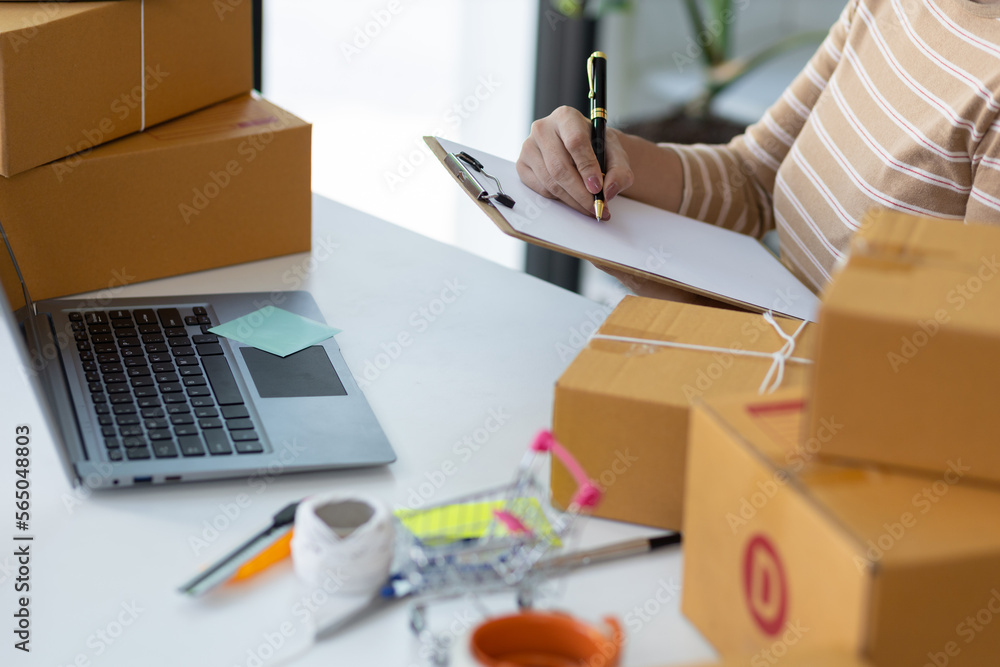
275 553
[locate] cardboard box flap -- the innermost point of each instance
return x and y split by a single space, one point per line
908 270
894 517
241 116
648 372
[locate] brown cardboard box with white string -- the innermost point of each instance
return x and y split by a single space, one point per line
622 406
77 75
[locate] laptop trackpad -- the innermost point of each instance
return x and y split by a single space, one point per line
308 372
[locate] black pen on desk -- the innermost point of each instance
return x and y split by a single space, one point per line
597 77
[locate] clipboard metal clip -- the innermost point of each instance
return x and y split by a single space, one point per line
459 165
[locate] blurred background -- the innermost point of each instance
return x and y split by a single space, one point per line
374 76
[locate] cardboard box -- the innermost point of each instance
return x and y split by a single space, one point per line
783 552
622 408
908 335
225 185
75 75
813 659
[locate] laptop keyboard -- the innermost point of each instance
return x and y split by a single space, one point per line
161 386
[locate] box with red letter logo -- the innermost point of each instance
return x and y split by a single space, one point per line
785 553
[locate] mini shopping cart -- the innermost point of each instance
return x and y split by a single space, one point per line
490 541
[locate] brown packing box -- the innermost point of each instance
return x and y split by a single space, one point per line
224 185
72 75
812 659
622 408
907 346
784 553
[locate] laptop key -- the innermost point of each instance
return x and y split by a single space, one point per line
131 352
186 429
138 371
135 361
149 328
112 443
199 310
165 367
186 361
208 349
182 418
145 392
159 358
175 398
99 398
112 378
199 391
134 441
119 314
137 453
202 402
114 454
170 317
75 316
164 449
166 377
149 402
156 348
105 420
109 431
129 431
153 424
190 320
178 409
160 434
201 339
95 317
149 339
144 316
93 376
102 409
243 436
195 381
179 342
183 351
206 413
249 447
221 378
191 445
218 442
190 371
239 424
175 332
127 420
123 409
170 387
210 423
152 413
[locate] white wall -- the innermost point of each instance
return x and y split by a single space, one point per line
373 76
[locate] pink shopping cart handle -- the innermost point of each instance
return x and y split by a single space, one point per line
587 494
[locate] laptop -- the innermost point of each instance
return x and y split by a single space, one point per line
138 391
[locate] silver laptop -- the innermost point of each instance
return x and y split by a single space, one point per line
138 391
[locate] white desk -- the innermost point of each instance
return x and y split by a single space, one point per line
492 350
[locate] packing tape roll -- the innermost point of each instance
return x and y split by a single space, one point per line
343 542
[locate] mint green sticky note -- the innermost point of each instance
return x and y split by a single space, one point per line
275 330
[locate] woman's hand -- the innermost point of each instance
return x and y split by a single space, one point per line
558 162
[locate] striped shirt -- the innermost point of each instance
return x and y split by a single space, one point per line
898 109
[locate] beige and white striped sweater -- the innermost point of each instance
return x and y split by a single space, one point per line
897 109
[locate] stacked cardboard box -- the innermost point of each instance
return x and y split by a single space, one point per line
131 148
857 511
786 553
623 405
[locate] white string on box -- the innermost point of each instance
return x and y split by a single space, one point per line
775 374
346 537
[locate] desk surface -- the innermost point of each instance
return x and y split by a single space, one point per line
105 567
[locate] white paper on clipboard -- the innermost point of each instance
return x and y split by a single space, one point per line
700 256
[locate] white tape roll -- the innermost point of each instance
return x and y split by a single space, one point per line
343 542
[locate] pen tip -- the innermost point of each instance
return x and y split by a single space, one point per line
598 210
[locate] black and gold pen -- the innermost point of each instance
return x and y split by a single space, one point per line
597 76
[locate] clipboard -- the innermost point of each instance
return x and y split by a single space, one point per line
779 290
